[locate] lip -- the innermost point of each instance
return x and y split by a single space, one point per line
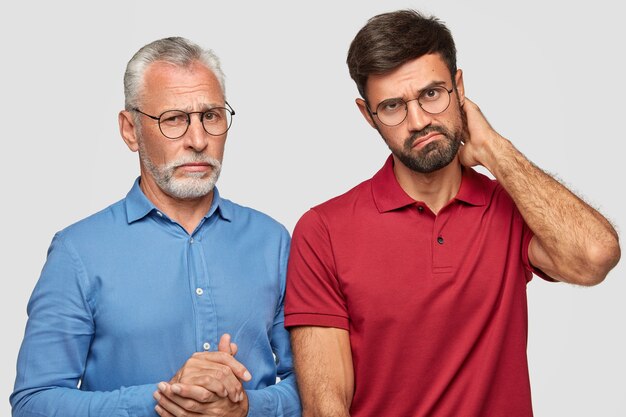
195 166
424 140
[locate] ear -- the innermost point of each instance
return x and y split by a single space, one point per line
127 130
460 88
365 112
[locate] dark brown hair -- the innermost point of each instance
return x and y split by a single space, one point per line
389 40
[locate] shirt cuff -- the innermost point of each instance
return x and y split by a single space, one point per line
259 404
138 400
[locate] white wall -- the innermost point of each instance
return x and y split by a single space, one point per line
547 75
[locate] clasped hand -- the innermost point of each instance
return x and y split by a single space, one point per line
208 384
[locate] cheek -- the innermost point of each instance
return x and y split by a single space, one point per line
388 137
396 141
217 150
157 155
455 122
159 151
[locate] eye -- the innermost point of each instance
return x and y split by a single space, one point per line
391 106
431 94
212 116
174 118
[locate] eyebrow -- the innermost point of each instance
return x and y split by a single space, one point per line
420 91
203 107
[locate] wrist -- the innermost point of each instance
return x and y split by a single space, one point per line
496 153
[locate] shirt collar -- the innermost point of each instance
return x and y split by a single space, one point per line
389 195
138 206
476 188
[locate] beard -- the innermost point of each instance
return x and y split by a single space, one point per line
436 154
192 185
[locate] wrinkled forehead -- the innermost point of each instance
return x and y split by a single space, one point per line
410 77
192 87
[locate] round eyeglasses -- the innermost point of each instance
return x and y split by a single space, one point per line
433 100
173 124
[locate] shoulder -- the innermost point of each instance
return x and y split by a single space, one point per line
350 202
104 222
74 248
247 217
336 213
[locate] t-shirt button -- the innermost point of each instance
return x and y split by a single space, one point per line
440 240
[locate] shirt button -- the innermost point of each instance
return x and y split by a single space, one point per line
160 214
206 346
420 209
191 240
440 240
199 291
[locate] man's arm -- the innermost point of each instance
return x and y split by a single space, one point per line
56 344
572 242
323 364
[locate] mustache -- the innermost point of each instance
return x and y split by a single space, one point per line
408 143
193 159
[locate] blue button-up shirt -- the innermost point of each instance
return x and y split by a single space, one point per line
127 296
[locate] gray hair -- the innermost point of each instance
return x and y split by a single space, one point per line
175 50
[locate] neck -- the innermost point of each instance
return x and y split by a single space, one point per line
435 189
186 212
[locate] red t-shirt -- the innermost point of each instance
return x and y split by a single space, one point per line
435 305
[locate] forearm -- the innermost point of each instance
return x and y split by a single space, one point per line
280 400
574 242
323 364
68 402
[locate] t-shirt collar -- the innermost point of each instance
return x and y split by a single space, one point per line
389 195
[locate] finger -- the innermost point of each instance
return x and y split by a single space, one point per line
195 392
161 412
234 348
219 380
202 361
214 377
224 345
226 359
167 406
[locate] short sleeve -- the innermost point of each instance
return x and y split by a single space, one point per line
527 236
314 295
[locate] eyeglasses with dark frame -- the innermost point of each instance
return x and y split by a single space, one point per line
432 100
173 124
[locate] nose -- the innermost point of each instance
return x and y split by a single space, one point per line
416 117
196 137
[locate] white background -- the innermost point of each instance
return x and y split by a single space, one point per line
548 75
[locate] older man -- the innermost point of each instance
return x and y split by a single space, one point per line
407 294
172 298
